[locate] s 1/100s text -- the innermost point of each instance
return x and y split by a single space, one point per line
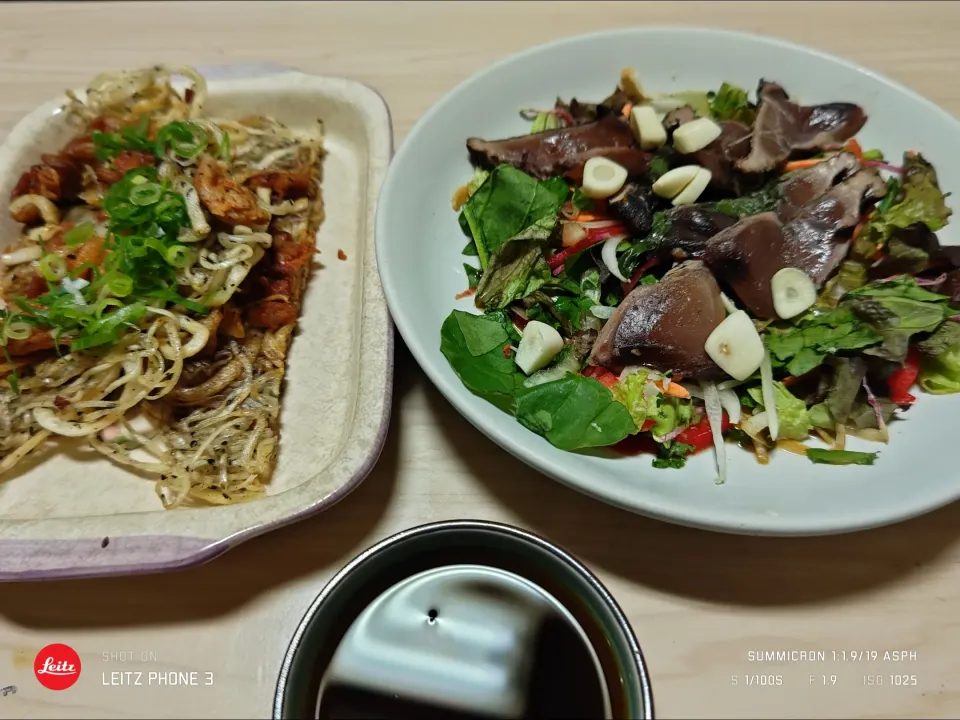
757 680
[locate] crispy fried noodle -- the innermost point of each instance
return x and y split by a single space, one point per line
149 303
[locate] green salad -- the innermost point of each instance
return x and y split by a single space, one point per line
670 273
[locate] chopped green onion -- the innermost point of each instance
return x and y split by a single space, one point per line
186 139
14 382
120 285
103 304
224 150
179 256
145 193
79 234
172 296
52 267
17 330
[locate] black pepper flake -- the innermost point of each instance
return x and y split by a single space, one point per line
163 477
105 542
225 495
193 443
224 442
71 256
211 461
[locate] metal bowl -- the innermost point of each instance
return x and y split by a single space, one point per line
452 543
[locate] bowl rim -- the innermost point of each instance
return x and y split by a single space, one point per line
657 508
518 536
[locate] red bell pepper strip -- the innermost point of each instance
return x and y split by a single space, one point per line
641 271
606 377
900 381
597 235
700 436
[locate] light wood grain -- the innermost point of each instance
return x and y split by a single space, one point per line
699 602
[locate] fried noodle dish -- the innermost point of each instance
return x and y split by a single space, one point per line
149 303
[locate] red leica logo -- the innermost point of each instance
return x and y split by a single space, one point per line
57 666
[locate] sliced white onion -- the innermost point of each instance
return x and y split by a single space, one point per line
572 234
711 398
630 370
730 403
602 311
609 256
769 394
694 390
22 255
754 424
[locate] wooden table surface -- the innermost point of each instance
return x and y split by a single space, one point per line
700 603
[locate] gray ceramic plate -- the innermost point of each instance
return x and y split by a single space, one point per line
73 514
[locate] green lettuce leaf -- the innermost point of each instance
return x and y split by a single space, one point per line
575 412
667 412
730 103
515 271
920 200
793 419
940 367
882 314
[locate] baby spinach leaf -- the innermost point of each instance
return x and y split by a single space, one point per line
474 347
506 204
575 412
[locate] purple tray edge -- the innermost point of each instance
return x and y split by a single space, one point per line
145 554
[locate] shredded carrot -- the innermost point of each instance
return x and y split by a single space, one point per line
589 217
802 164
466 293
674 389
626 110
853 146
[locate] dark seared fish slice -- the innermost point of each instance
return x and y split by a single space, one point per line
783 127
805 186
665 326
748 254
558 152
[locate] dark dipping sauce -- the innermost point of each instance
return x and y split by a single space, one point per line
563 683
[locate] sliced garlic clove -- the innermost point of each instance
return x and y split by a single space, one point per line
695 187
695 135
647 127
602 178
539 344
735 346
793 292
672 182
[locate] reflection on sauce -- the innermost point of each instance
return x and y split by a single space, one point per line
563 683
